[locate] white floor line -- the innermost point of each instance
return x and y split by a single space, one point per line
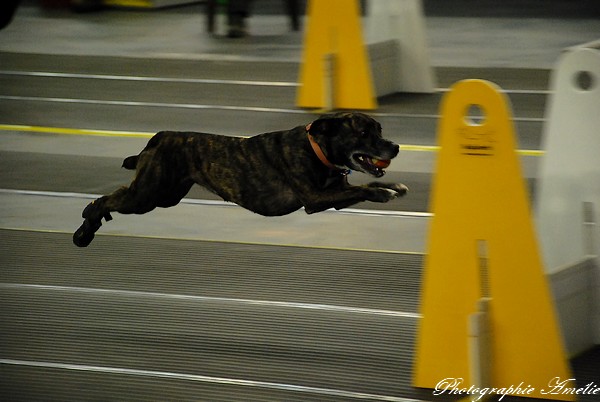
113 77
220 107
207 379
262 303
152 104
194 201
147 78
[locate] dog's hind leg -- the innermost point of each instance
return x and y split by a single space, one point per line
84 235
125 200
140 197
121 200
161 180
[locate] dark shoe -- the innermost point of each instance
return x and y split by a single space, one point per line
237 26
90 209
86 6
85 234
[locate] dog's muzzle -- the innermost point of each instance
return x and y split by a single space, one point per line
372 165
375 165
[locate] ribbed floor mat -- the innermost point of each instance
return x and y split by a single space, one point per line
101 323
142 319
375 280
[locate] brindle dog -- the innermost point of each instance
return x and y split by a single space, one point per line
270 174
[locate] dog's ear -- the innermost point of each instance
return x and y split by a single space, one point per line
326 125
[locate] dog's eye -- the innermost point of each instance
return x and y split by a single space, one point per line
363 133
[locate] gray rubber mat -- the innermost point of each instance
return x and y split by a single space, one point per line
220 321
142 319
375 280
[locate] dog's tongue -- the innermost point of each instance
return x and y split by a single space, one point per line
381 163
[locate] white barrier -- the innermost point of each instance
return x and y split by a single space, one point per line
568 197
575 298
404 65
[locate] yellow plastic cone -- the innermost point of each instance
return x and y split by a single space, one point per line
335 71
479 195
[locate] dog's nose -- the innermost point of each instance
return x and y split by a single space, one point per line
396 149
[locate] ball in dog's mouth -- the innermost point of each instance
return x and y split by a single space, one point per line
372 164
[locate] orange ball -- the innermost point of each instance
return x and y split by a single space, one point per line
381 163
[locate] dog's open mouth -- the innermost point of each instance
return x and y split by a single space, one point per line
372 165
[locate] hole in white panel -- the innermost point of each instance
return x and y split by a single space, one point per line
584 80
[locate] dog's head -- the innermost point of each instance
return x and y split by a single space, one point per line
354 141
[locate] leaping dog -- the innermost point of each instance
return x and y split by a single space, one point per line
271 174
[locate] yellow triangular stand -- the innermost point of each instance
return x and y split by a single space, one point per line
479 196
334 33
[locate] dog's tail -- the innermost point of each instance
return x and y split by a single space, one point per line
130 162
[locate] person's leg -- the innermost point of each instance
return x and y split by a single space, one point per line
237 12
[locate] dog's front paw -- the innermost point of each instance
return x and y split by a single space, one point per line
399 188
384 192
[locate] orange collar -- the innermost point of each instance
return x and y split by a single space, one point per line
319 152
